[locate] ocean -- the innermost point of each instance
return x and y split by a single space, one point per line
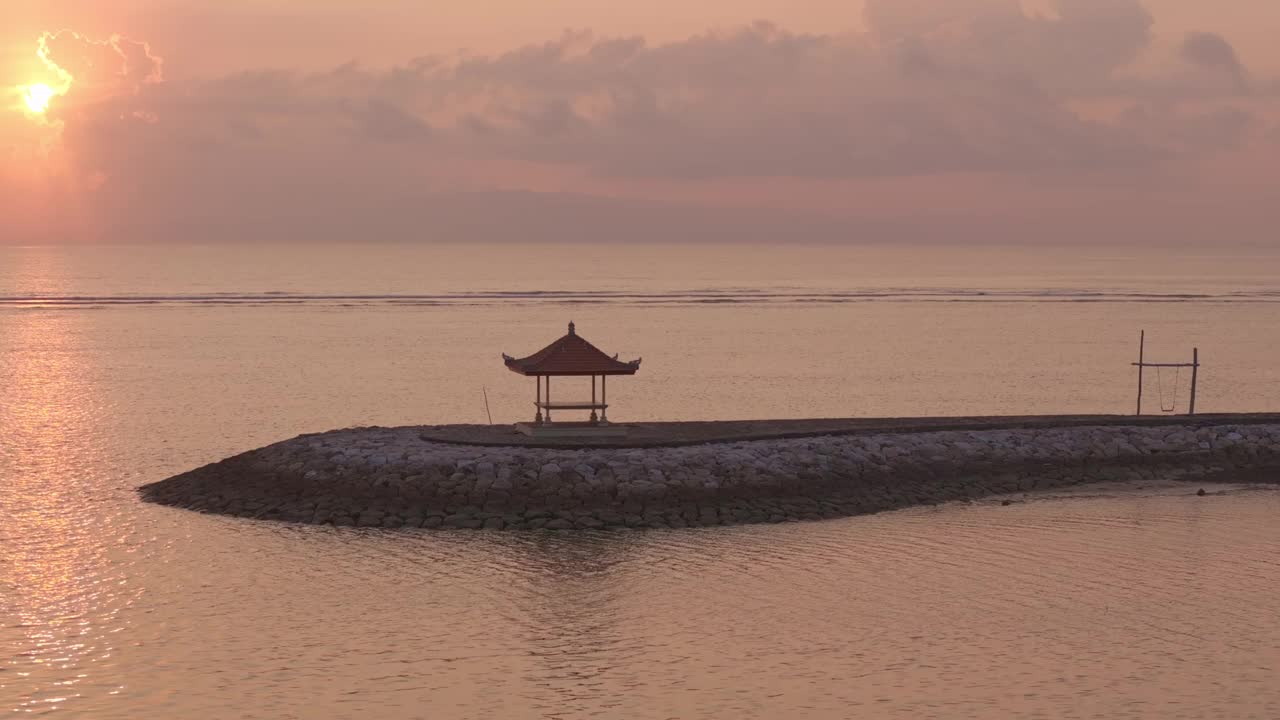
125 365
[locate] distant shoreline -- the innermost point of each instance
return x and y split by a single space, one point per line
701 474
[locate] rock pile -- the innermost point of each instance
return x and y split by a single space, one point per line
393 478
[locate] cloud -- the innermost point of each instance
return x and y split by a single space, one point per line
1079 47
762 101
112 65
386 122
935 88
1193 132
951 89
1212 52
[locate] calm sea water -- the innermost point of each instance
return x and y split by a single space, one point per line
120 366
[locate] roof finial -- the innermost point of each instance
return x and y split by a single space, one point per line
571 330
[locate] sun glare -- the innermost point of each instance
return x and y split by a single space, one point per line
38 97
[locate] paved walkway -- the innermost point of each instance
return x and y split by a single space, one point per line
674 434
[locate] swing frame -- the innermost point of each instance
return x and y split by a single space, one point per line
1142 364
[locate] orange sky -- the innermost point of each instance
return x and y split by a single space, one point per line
221 35
1077 110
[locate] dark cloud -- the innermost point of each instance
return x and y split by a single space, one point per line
386 122
762 101
1079 47
1191 133
1213 53
1225 128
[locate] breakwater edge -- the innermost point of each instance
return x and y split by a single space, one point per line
777 471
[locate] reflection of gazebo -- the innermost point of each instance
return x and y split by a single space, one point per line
570 356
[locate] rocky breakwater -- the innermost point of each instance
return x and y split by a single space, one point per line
394 478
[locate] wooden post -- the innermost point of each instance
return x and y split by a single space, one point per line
594 417
538 400
1142 345
548 398
604 399
1195 371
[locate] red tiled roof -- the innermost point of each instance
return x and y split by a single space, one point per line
571 355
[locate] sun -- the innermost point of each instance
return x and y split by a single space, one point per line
37 97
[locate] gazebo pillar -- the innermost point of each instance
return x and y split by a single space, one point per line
604 398
594 417
537 401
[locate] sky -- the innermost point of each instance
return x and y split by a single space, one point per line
1083 121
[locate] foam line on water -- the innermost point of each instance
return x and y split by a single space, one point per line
726 296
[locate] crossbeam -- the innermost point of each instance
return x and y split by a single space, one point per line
1166 365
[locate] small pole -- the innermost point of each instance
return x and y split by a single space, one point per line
1195 371
548 398
485 390
1142 346
537 418
604 400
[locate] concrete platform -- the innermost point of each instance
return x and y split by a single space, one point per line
571 431
677 434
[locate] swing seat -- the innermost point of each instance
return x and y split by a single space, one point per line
1172 405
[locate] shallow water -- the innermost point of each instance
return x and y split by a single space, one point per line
1120 602
1133 605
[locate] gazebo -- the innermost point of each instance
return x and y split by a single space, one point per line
570 356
